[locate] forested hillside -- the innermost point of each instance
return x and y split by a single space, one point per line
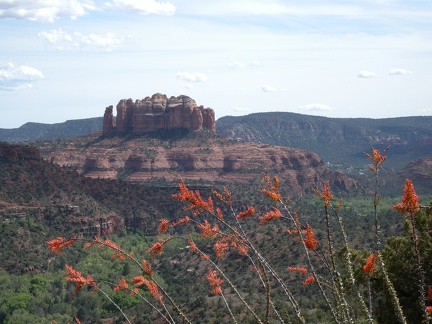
339 141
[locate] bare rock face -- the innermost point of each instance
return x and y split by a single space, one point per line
212 159
108 122
158 112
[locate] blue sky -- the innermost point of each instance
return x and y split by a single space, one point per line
69 59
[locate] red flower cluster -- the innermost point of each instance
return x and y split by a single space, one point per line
122 285
214 281
250 212
273 188
196 203
410 199
297 269
156 248
75 276
325 195
226 198
369 267
147 267
269 216
207 230
309 280
151 286
163 226
377 158
310 239
59 243
410 202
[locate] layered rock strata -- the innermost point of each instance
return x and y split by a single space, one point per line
158 112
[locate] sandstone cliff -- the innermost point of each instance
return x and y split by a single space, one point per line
157 112
215 159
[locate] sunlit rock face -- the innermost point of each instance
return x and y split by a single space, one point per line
158 112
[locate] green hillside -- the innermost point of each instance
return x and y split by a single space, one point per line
339 141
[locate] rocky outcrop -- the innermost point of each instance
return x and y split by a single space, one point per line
158 112
18 152
214 159
109 122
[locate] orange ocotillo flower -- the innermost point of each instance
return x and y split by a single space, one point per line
273 188
325 195
75 276
157 248
377 158
214 281
369 267
410 199
57 244
147 268
249 212
269 216
298 269
163 226
196 202
310 239
151 286
309 280
122 285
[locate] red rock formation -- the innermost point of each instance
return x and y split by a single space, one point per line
158 112
109 121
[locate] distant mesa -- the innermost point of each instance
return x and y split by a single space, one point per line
157 112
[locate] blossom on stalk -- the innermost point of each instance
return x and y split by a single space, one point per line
163 226
57 244
156 248
298 269
325 195
273 188
196 202
308 281
310 239
207 230
147 267
74 276
122 285
269 216
214 281
225 198
369 267
410 199
249 212
377 158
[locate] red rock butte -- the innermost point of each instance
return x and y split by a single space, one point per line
158 112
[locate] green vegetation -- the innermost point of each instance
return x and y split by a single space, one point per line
36 200
408 137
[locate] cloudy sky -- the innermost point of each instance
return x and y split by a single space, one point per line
69 59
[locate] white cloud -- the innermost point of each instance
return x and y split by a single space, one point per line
62 39
192 76
17 77
399 72
45 10
366 74
316 107
268 88
189 86
143 7
236 65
